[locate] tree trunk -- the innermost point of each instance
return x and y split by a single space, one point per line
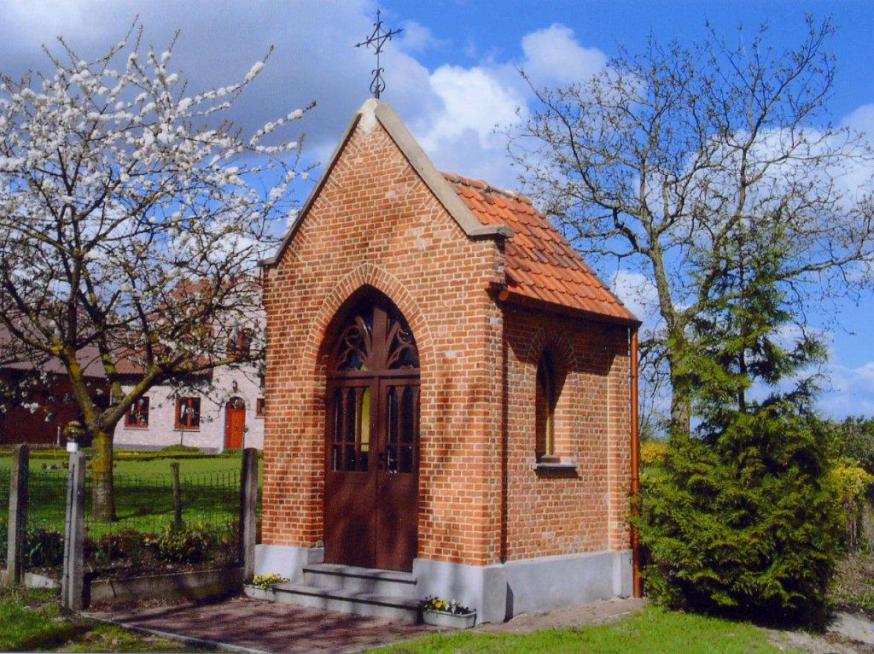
681 414
681 402
102 495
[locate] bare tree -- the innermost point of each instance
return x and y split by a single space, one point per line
132 217
659 160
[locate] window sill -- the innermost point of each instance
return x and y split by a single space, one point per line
565 466
137 427
187 429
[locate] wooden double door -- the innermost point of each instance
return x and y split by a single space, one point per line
372 442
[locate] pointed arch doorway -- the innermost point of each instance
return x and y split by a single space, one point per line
372 439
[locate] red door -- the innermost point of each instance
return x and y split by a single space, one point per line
235 423
372 430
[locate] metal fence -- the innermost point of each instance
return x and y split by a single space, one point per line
44 538
162 520
165 521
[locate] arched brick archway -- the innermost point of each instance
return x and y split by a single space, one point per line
371 501
366 276
371 436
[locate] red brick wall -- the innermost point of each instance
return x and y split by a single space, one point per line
375 222
563 512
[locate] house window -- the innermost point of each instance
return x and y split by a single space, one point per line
240 344
260 407
544 409
137 415
188 413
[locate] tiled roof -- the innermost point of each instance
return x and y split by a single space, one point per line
541 265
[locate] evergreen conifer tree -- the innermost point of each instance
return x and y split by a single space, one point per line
740 517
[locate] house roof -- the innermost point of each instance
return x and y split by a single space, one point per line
542 267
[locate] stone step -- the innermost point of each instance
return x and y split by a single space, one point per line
388 583
378 606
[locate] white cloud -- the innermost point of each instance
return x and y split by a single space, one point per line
639 294
452 109
460 134
862 119
415 38
473 100
554 55
849 391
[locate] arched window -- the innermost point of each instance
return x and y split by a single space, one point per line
544 409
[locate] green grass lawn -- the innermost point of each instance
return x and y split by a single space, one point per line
651 631
31 620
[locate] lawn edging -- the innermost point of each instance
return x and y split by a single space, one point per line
189 585
34 580
192 585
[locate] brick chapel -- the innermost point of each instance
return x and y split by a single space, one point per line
452 396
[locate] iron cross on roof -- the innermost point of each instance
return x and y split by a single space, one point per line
377 40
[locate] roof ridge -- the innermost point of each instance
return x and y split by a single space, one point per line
485 187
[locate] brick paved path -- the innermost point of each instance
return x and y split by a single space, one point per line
269 627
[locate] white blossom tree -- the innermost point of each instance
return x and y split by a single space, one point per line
133 214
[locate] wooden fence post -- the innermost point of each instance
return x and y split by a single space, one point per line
18 501
248 511
177 496
73 580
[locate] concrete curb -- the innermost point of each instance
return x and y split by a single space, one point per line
169 635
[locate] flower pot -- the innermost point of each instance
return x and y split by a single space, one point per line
447 619
254 592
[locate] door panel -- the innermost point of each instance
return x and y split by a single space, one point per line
397 486
349 482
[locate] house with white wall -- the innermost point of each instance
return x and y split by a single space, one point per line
220 411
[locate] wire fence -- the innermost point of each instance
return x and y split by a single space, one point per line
44 539
161 521
165 521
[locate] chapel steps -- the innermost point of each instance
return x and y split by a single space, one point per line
385 594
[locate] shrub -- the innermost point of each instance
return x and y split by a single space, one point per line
180 545
43 548
653 452
179 448
455 607
850 486
265 582
854 439
126 545
746 524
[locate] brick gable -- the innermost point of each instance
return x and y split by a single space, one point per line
375 222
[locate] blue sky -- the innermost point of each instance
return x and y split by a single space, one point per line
468 33
451 75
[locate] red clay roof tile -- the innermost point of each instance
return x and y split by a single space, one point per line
541 265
